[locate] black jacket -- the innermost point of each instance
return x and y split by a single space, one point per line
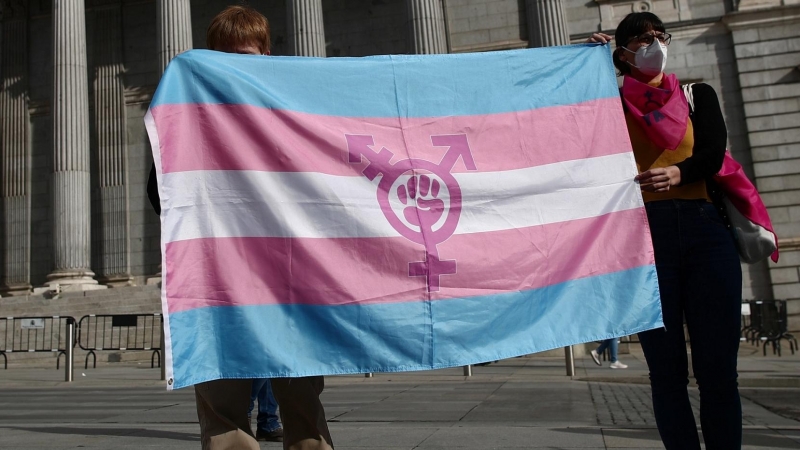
710 136
152 190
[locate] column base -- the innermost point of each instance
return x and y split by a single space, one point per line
72 281
155 279
55 288
14 290
114 281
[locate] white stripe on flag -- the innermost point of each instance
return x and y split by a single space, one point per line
204 204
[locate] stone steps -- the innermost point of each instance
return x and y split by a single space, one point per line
144 299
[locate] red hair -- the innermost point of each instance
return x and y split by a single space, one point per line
237 26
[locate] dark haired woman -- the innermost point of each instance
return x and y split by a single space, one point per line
700 279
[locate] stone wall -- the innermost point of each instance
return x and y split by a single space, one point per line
486 25
705 53
365 27
767 48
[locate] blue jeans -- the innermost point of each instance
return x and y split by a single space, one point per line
613 346
267 406
700 280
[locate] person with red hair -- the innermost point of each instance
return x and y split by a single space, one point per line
239 29
222 405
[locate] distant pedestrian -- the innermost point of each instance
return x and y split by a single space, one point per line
613 347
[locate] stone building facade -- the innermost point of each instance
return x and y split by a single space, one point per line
76 77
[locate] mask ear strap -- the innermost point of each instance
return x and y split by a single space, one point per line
620 49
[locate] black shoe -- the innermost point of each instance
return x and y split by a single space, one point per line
271 436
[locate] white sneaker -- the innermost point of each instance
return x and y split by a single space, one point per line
596 358
617 365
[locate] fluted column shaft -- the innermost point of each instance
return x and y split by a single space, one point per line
426 26
306 28
15 158
547 23
174 28
174 22
71 178
111 220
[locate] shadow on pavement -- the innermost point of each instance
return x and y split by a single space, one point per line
756 439
768 439
781 401
118 432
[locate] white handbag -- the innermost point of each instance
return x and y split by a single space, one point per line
741 203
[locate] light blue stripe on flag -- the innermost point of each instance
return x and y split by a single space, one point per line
276 340
411 86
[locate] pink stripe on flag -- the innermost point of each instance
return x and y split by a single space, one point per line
243 137
253 271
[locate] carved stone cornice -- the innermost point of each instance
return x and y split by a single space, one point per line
693 30
789 244
613 11
748 17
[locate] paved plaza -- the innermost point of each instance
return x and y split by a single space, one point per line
518 403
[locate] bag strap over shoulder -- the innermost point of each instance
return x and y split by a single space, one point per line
687 92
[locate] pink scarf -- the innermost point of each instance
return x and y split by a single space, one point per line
661 111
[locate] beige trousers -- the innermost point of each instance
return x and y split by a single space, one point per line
222 410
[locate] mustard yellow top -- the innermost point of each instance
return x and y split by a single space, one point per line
648 156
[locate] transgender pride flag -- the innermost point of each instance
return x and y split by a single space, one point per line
394 213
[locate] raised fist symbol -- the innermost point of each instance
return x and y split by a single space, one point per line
420 194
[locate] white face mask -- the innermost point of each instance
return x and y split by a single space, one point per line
650 60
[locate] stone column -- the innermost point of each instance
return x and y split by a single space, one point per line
15 156
547 23
111 231
71 179
174 28
426 26
306 30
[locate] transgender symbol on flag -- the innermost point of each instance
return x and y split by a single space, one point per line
420 199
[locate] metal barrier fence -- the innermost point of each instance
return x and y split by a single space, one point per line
767 323
128 332
36 334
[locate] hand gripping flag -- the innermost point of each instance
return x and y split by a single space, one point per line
394 213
